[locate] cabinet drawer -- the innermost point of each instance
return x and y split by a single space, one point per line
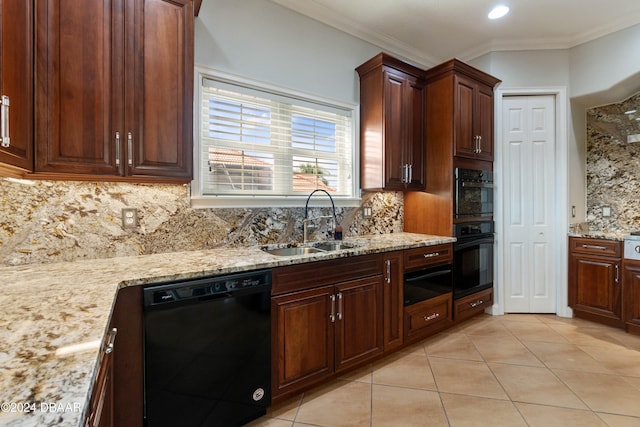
427 256
426 317
472 304
595 246
309 275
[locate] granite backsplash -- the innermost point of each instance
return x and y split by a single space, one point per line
613 166
47 221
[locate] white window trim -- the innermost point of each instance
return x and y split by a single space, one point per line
198 200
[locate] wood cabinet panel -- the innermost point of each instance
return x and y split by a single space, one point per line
393 300
391 125
359 321
79 77
597 247
428 256
471 305
304 276
160 74
595 280
427 317
302 357
115 89
631 295
458 133
101 410
473 136
16 83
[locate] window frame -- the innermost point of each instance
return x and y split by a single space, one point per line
200 200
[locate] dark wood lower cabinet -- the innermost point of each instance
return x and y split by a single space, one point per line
117 395
325 330
631 295
101 408
595 280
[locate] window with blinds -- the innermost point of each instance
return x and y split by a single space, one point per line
256 142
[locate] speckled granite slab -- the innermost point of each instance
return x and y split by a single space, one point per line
47 309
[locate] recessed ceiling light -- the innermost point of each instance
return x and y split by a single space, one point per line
498 12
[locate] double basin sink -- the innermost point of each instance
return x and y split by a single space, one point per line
313 248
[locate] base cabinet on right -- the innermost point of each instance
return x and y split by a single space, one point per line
631 295
471 305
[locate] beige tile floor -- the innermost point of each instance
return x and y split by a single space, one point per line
512 370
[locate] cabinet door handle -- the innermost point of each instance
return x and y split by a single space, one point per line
339 314
118 149
130 143
617 273
475 304
388 262
410 178
431 317
4 132
479 144
108 348
332 316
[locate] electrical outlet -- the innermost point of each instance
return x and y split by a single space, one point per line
366 212
606 211
129 218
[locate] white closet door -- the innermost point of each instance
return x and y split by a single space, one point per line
528 201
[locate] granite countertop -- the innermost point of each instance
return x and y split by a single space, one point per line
606 235
55 317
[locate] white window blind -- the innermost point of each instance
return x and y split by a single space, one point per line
256 142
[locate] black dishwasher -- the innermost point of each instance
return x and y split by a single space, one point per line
208 350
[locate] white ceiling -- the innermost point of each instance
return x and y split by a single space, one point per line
432 31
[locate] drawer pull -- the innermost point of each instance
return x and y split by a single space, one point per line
476 303
433 316
601 248
431 255
108 348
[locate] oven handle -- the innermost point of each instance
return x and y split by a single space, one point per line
468 242
428 275
468 184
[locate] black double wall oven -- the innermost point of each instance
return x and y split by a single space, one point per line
474 230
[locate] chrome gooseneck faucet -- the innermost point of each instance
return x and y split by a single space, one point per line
306 214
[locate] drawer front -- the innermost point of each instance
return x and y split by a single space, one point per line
472 304
427 256
428 316
310 275
595 246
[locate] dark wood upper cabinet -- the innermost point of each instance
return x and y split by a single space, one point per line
16 84
391 125
115 88
468 110
474 127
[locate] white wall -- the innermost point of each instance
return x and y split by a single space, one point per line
260 40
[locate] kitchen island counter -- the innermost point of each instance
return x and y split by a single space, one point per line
55 317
